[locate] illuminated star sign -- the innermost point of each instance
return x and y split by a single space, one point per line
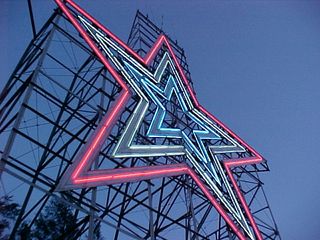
203 165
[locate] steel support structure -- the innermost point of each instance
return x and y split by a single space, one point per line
51 104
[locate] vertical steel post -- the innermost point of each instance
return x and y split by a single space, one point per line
92 224
151 228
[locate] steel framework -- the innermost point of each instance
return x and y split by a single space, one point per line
50 106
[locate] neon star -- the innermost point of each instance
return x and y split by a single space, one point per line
78 175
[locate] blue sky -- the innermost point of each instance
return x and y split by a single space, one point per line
255 65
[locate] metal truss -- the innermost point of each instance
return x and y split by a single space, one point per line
50 106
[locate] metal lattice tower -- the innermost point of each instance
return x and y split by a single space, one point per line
53 102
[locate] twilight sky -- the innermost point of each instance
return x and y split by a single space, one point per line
255 65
